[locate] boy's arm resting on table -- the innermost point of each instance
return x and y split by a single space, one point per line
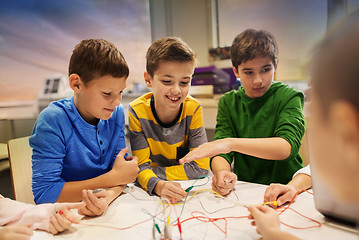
97 203
124 171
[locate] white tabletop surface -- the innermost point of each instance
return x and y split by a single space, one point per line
129 209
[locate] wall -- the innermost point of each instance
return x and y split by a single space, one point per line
10 129
188 19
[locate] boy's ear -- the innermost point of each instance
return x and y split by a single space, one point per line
345 122
75 82
235 71
148 79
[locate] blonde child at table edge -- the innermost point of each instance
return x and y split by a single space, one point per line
334 122
79 142
167 123
260 126
19 219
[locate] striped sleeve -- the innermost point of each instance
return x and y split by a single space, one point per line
197 136
139 146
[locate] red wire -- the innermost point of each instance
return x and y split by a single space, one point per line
178 221
204 218
301 228
288 207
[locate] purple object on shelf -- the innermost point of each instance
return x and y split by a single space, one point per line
231 75
212 75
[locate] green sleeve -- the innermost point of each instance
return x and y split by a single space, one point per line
291 123
224 128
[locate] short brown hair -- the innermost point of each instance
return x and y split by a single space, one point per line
251 44
334 67
94 58
168 49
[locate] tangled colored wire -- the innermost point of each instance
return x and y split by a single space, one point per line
200 216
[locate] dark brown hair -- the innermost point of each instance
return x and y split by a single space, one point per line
168 49
251 44
93 58
334 68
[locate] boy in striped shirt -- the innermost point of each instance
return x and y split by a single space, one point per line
167 123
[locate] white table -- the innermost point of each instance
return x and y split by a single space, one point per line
127 210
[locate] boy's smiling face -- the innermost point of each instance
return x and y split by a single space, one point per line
170 85
256 75
98 98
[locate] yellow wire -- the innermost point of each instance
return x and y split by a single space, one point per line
275 203
210 190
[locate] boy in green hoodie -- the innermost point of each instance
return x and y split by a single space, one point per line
260 126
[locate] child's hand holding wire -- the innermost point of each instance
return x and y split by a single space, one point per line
170 190
223 182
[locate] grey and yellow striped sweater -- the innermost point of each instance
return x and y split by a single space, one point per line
159 146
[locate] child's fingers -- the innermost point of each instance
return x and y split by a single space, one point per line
186 158
192 156
100 194
85 198
62 222
54 225
271 192
287 197
94 201
133 159
123 152
254 211
221 191
88 210
85 211
66 206
51 227
217 188
174 191
67 214
265 209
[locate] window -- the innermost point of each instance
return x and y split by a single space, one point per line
37 38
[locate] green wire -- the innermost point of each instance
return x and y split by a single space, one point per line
189 189
184 201
200 185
